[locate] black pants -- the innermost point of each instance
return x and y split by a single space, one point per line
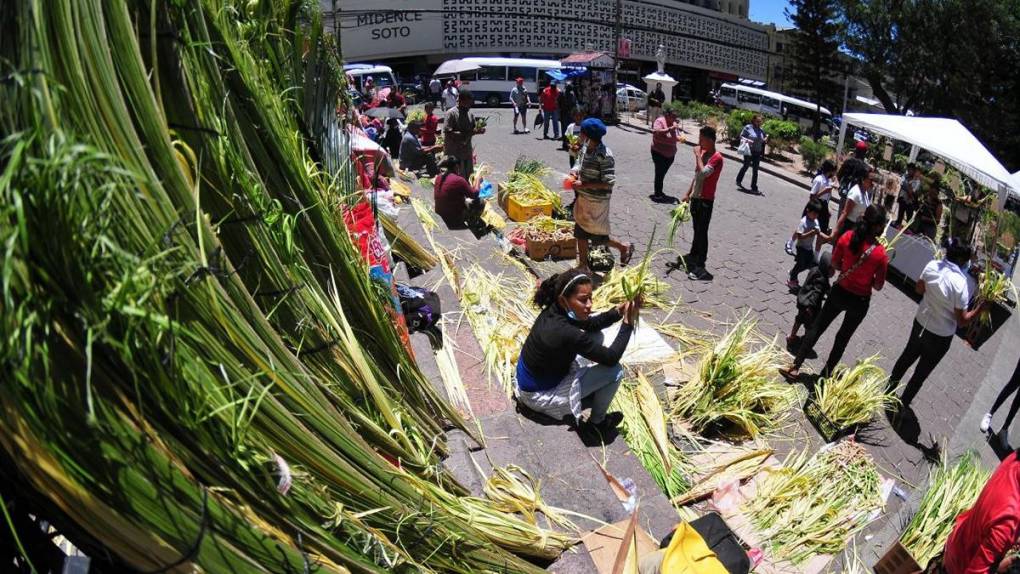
701 216
804 260
926 349
1011 387
906 211
566 116
750 161
662 164
840 300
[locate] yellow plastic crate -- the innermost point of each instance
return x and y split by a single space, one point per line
517 212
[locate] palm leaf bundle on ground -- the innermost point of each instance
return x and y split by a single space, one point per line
501 315
625 283
951 491
854 395
736 389
406 248
815 505
644 429
524 183
199 370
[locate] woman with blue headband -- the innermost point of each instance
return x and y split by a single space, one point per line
550 376
595 175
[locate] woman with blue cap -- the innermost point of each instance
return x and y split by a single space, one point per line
595 175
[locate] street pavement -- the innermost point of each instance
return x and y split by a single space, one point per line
746 256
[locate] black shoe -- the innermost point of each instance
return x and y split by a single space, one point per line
598 431
659 198
700 274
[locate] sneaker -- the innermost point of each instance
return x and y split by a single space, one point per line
527 131
659 198
700 275
986 423
789 247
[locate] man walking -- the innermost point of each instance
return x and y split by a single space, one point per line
655 101
435 90
701 195
566 103
521 100
754 138
459 128
450 96
550 111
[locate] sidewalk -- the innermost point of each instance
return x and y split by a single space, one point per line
767 166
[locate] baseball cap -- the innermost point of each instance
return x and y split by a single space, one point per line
862 146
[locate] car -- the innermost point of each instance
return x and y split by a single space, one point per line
631 99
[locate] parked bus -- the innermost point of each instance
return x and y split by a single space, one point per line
493 82
773 103
382 76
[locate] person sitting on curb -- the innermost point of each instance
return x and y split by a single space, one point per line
550 378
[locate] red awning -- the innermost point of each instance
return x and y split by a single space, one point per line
589 59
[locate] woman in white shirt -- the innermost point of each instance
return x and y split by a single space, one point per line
942 310
857 200
821 189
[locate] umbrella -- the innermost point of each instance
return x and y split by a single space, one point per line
384 113
451 67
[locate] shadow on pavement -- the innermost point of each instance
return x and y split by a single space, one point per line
908 428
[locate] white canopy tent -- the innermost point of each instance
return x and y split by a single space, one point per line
944 137
454 67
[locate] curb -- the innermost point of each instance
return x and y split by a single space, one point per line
781 174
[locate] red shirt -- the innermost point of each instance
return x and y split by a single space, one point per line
708 186
984 534
867 274
450 192
548 97
664 144
429 129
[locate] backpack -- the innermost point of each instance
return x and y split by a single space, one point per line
422 311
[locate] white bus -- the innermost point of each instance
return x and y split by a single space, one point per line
492 83
774 103
382 76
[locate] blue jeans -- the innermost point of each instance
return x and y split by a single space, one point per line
599 384
750 161
554 117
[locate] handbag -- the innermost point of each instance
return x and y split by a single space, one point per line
745 148
539 118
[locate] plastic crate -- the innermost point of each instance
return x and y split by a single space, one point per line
829 430
517 212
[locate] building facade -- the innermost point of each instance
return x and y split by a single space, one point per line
702 36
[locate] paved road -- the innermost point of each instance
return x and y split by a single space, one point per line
750 267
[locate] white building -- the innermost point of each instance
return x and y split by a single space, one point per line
702 38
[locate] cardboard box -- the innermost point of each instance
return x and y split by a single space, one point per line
561 249
897 561
517 212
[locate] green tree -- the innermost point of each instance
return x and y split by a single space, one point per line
952 58
816 51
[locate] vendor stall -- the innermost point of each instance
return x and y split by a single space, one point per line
595 88
958 148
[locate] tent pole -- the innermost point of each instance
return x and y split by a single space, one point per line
842 137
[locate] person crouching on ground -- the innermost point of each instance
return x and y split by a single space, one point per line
550 378
595 175
811 296
804 242
413 155
456 201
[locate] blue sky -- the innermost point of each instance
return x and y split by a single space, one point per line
769 11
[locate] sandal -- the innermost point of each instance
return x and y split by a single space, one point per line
626 256
790 374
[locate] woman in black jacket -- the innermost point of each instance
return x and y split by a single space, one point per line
550 378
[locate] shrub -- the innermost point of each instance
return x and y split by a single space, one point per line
813 152
736 122
782 134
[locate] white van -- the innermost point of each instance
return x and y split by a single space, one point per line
382 76
492 83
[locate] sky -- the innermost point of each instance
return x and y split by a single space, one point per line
769 11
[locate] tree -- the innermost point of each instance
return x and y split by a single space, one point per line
952 58
816 51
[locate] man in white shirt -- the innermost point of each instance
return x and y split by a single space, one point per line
435 90
450 95
521 100
857 200
942 311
